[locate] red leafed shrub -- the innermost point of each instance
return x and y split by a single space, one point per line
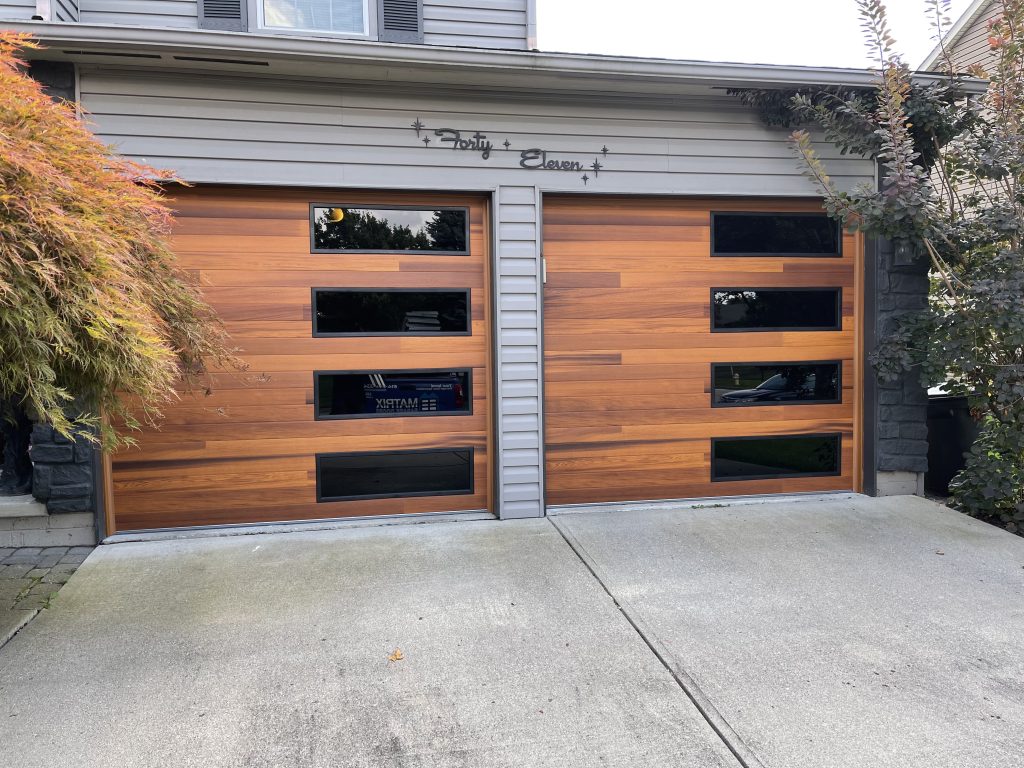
93 307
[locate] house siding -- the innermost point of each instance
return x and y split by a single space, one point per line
275 132
972 46
153 13
21 11
475 23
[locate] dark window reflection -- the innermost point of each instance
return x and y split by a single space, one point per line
766 457
766 309
390 229
392 394
391 311
775 234
775 384
394 473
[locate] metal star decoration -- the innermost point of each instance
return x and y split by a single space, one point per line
426 141
596 168
605 150
418 126
585 179
507 144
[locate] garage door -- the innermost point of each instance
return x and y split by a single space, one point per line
363 318
698 348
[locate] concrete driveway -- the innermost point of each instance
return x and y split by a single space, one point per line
843 633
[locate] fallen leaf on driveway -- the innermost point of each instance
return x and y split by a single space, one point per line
397 655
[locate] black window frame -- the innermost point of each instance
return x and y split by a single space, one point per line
781 328
411 414
839 386
743 478
801 214
392 251
317 334
320 498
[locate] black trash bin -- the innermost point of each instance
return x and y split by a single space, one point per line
951 432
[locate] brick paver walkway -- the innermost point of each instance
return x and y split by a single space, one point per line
29 578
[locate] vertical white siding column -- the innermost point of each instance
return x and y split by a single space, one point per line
520 439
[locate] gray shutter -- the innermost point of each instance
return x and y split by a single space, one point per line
227 15
400 21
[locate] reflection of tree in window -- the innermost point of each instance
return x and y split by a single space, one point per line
384 230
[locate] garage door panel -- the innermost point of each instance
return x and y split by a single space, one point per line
247 451
629 350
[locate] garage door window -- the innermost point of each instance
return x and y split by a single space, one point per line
739 384
775 234
388 474
391 312
776 309
354 229
762 458
380 394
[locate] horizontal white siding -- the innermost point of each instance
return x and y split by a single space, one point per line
476 23
276 132
520 458
18 11
152 13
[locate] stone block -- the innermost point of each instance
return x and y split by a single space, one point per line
42 478
912 413
70 491
888 462
890 396
914 431
76 504
52 454
899 483
888 429
42 433
84 451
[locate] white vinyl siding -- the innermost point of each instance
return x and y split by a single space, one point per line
475 23
153 13
18 11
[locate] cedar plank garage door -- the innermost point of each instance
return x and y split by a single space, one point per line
629 349
246 453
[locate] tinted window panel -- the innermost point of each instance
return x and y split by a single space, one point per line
408 313
440 230
747 458
775 234
387 474
775 383
764 309
393 393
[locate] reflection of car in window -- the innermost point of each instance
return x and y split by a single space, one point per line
778 387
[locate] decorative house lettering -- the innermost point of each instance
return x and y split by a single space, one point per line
531 159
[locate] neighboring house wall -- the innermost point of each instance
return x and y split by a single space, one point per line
152 13
970 46
275 132
476 23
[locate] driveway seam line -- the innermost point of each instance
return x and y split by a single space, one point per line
728 735
29 615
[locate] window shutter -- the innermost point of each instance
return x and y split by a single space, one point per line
227 15
400 21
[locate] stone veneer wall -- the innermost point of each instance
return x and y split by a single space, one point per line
902 406
63 471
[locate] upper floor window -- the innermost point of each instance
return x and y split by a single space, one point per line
339 16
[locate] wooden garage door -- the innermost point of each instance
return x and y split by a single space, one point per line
248 451
629 350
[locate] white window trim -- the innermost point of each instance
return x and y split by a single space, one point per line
369 25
